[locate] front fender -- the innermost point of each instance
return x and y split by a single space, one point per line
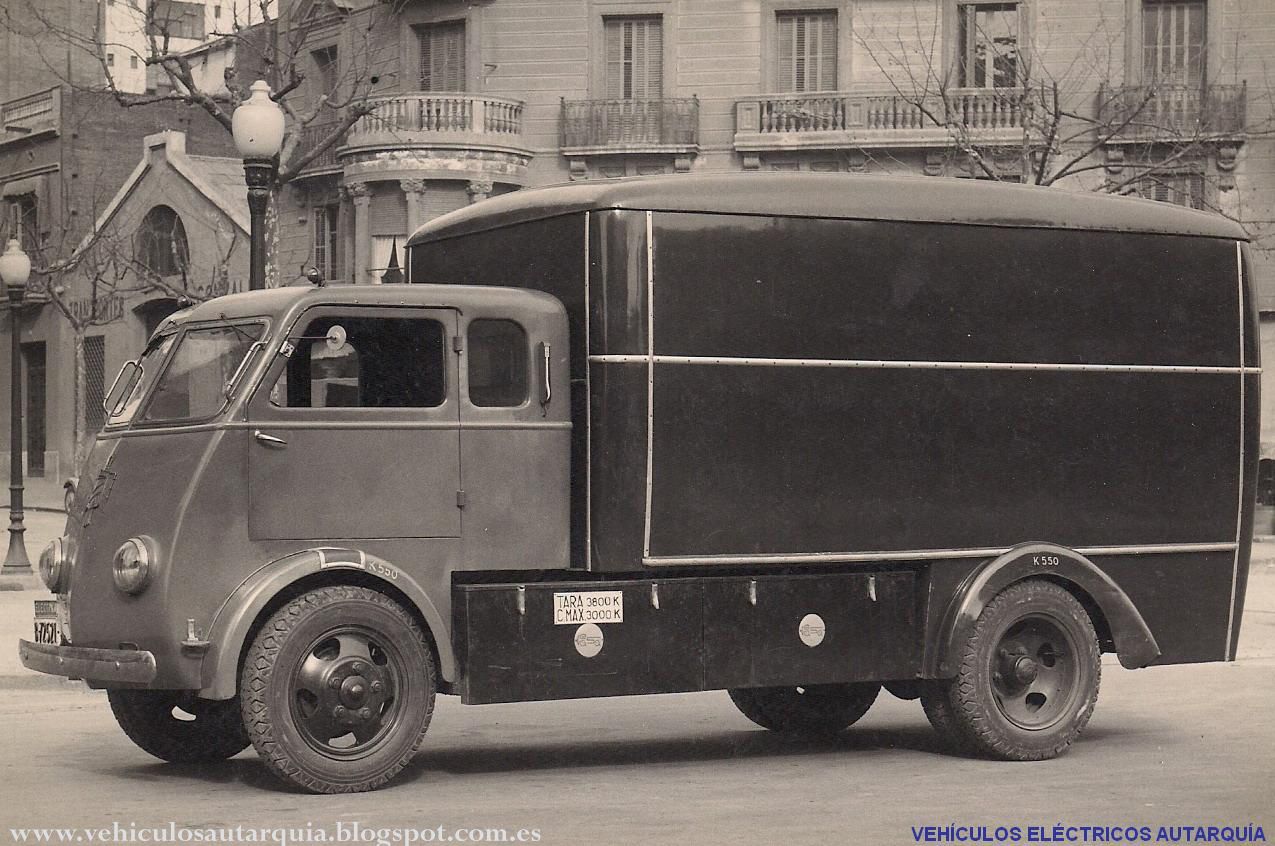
1133 641
234 620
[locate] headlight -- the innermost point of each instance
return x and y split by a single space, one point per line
134 565
55 566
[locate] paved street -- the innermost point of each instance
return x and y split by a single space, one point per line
1190 745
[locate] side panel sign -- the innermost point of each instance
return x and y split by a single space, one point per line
602 606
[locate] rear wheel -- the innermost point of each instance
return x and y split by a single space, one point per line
1028 677
176 726
817 709
338 689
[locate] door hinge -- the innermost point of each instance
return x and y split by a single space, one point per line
460 499
457 343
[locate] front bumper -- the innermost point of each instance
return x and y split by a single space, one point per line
78 662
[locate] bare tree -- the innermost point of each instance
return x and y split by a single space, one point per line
1058 112
321 97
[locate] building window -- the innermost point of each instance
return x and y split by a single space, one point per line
325 69
161 242
325 239
132 62
1180 189
1173 42
634 50
442 47
110 60
216 13
174 19
806 51
988 50
22 221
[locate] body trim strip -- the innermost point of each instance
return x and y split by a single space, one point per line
1239 511
649 358
588 407
920 554
400 424
900 364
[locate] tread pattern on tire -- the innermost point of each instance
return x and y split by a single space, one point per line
958 711
259 664
146 717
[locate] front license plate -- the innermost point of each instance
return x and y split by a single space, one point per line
47 629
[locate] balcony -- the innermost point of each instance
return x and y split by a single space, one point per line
311 136
596 127
452 120
32 115
865 119
1173 113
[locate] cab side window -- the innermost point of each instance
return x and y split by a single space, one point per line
365 362
497 363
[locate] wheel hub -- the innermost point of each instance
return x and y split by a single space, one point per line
1025 670
342 690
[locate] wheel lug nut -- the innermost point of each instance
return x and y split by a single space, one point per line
366 713
339 712
334 682
360 668
377 687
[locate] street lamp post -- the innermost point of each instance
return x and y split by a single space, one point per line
257 125
15 269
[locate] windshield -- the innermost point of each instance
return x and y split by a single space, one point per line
152 358
193 385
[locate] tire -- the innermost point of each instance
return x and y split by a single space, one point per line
209 731
813 710
1028 677
337 690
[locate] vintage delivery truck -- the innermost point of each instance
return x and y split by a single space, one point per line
796 437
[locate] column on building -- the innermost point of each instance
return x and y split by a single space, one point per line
361 195
478 189
414 190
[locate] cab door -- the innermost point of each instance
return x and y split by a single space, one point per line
355 431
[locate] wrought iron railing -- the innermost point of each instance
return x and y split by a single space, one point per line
313 135
599 124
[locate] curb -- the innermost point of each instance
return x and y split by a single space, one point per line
33 680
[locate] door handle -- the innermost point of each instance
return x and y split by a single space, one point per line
269 440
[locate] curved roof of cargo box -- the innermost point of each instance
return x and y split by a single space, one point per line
850 196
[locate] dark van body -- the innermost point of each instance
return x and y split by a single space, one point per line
796 437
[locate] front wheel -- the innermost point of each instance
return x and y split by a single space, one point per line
1028 677
817 709
338 689
178 727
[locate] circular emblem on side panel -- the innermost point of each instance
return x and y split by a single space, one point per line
588 640
811 630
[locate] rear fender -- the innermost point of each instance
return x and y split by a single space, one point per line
234 620
1134 643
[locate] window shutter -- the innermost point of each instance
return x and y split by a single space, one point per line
786 77
388 214
633 51
806 51
442 49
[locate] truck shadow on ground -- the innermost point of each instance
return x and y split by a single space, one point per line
485 758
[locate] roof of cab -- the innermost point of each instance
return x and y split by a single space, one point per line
279 302
848 196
